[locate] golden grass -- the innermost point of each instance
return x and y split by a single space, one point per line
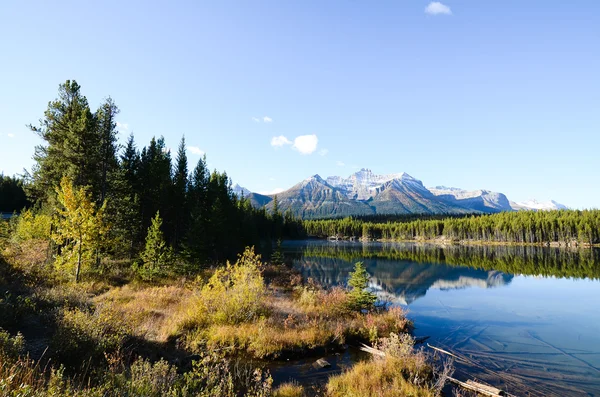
389 377
153 313
291 326
289 390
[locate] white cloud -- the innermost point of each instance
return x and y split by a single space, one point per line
264 119
323 152
306 144
274 191
10 135
340 164
279 141
195 150
122 126
437 8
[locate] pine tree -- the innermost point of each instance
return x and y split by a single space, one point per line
106 126
71 144
81 229
180 190
158 255
360 298
155 184
127 224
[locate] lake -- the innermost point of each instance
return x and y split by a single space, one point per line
525 319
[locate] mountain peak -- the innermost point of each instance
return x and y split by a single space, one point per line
315 177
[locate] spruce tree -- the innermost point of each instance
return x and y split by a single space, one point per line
106 126
127 224
196 239
180 190
360 298
158 255
70 147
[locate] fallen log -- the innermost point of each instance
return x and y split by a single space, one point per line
479 388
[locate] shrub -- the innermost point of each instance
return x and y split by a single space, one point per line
384 323
82 335
212 376
31 226
11 347
235 294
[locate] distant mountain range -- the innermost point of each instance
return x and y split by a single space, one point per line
365 193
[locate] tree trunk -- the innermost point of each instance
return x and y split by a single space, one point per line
78 269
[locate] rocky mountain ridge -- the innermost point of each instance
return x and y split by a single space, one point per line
366 193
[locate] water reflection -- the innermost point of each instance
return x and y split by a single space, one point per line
528 313
400 282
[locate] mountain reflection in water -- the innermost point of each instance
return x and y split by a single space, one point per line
528 313
400 282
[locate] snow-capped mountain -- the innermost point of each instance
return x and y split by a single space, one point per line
366 193
364 184
240 191
479 200
535 205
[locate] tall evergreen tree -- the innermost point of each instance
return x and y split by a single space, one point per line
106 126
197 234
127 223
180 190
155 183
68 129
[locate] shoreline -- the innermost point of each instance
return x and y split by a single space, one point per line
450 242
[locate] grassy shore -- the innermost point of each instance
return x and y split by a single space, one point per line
113 334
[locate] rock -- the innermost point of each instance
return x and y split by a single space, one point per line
321 363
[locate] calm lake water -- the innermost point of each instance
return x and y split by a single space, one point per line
526 319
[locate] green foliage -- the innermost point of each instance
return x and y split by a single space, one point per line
73 144
157 257
360 298
83 334
11 347
31 226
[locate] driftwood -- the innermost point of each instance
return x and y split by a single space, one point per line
372 350
479 388
444 351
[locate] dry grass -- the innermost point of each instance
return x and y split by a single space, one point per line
289 390
153 313
292 325
381 378
401 372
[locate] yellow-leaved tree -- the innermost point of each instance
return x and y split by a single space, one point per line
80 229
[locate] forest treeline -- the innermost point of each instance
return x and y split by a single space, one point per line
531 227
12 195
93 198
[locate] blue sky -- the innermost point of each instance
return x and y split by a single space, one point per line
500 95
